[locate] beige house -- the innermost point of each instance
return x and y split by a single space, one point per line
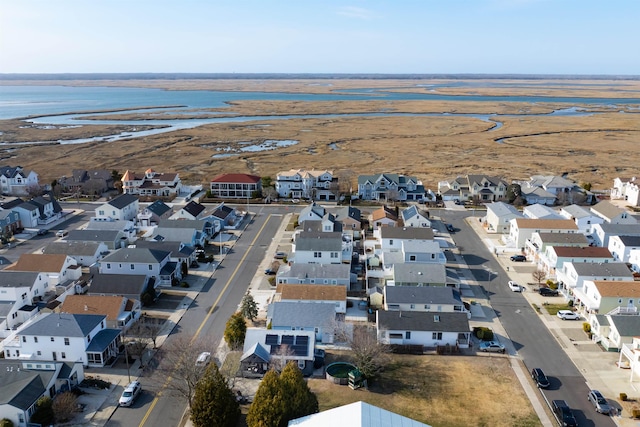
336 295
121 312
612 213
610 297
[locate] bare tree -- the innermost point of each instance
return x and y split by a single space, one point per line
178 362
34 190
151 327
280 358
369 355
539 276
346 180
64 406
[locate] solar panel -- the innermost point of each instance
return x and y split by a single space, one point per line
271 339
302 340
300 350
275 349
287 339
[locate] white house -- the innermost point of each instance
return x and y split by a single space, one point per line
315 274
152 183
521 229
603 232
414 217
357 414
390 186
127 227
439 299
428 329
573 274
61 337
123 207
621 246
16 181
318 248
335 295
483 188
555 256
84 253
538 211
19 291
499 215
583 217
319 317
613 214
58 268
539 242
307 184
142 262
627 189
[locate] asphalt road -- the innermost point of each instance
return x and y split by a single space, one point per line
207 316
532 340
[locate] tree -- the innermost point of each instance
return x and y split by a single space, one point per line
151 327
269 193
513 192
369 355
586 186
235 331
249 307
539 276
345 177
279 359
281 398
34 190
64 406
214 404
44 411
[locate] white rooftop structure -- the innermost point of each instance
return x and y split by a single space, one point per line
357 414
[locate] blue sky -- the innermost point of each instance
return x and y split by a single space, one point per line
307 36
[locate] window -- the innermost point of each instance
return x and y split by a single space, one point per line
407 335
436 335
132 267
35 339
413 306
24 339
427 306
39 353
150 267
393 307
395 336
412 258
317 254
108 266
66 341
391 241
52 339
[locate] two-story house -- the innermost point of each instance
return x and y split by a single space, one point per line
307 184
537 245
318 248
127 227
572 275
383 217
499 215
319 317
610 297
315 274
151 215
84 253
58 268
336 295
93 182
20 291
130 286
627 189
124 206
144 262
121 312
28 213
555 256
482 188
16 181
612 214
603 232
583 217
9 222
192 210
426 298
236 186
621 246
538 211
390 186
414 217
151 183
521 229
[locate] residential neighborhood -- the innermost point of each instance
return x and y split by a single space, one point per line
382 258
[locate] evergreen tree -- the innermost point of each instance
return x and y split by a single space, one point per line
249 307
235 331
214 404
267 408
299 400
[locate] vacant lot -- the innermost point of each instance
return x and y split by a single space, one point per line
442 391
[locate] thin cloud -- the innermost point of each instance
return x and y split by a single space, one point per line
355 12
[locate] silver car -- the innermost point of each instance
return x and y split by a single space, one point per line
599 402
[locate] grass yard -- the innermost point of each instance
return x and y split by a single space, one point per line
442 391
553 309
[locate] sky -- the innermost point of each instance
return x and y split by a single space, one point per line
321 36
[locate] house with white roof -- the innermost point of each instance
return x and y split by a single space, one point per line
538 211
521 229
627 189
307 184
499 215
621 247
123 207
357 414
583 217
415 217
613 214
65 337
151 183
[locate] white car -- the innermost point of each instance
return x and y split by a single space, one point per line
130 393
514 286
203 359
568 315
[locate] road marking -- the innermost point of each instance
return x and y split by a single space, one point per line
206 318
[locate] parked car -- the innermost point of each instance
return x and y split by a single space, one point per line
280 255
61 233
270 272
130 393
491 346
548 292
42 232
563 413
540 378
568 315
514 286
203 359
599 402
450 228
518 258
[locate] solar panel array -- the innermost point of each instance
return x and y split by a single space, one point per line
271 339
299 344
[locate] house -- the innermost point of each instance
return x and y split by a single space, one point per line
583 217
39 210
28 213
62 337
350 218
572 275
383 217
336 295
59 268
225 217
312 212
609 297
192 210
20 292
124 206
144 262
390 187
307 184
538 211
9 222
561 189
178 251
537 195
236 186
391 238
414 217
417 274
315 274
206 228
357 414
265 347
84 253
130 286
185 235
621 246
24 382
626 189
154 213
426 298
319 317
631 355
127 227
152 183
93 182
603 232
555 256
499 215
121 312
111 238
319 248
427 329
375 296
16 181
482 188
539 242
613 331
521 229
612 214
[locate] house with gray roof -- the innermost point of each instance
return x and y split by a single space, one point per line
319 317
613 214
192 210
390 186
441 299
85 253
351 220
418 274
602 232
499 215
206 227
16 181
427 329
20 291
124 206
225 216
9 222
582 216
130 286
621 247
113 239
65 337
152 214
572 275
538 211
186 236
315 274
178 251
24 382
415 217
483 188
539 242
537 195
28 212
126 226
319 248
613 331
144 262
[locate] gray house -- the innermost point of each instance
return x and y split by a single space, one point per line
423 328
315 274
113 239
130 286
85 253
319 317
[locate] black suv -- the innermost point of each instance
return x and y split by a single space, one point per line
548 292
450 228
563 413
540 378
518 258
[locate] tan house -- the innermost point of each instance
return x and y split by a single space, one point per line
384 217
336 295
612 213
121 312
59 268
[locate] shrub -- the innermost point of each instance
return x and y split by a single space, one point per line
483 333
184 285
586 327
623 397
570 303
5 422
549 283
635 412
